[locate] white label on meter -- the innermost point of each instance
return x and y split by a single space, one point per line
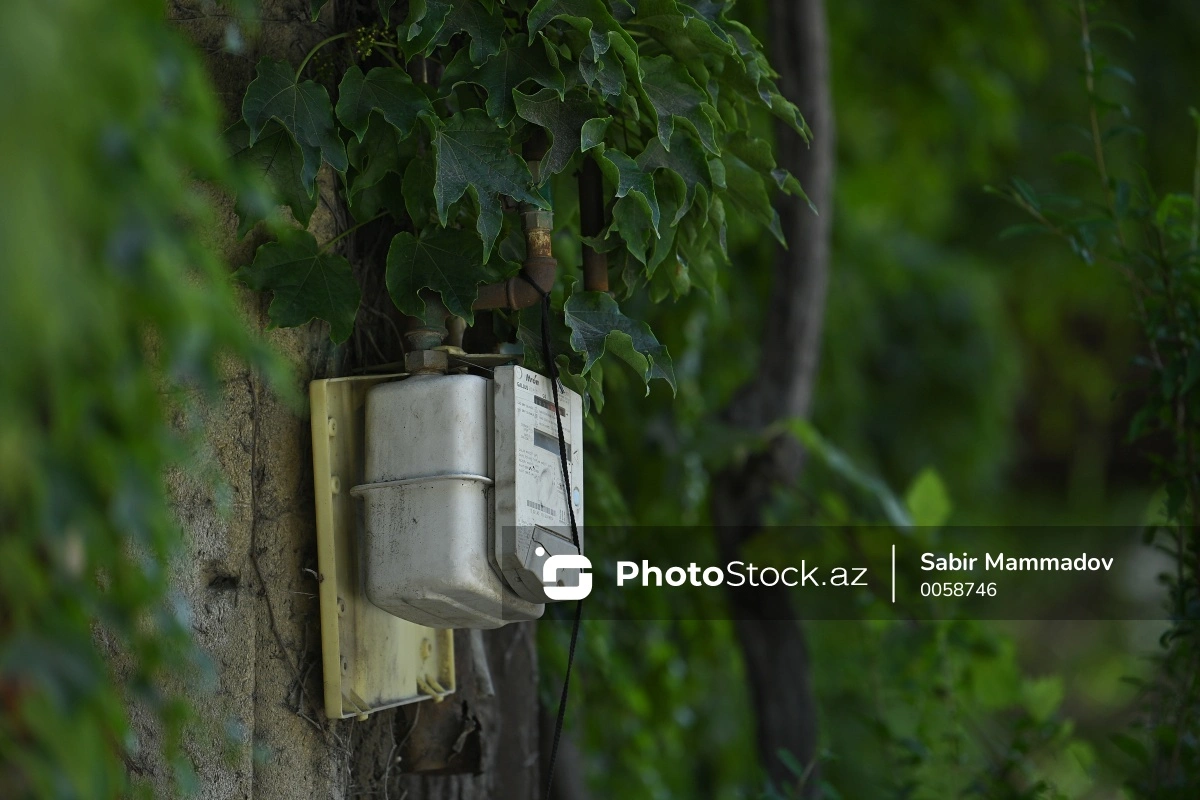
531 504
541 499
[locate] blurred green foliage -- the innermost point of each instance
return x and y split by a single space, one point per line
117 315
1149 236
1001 366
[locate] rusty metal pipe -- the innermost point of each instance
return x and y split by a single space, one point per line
516 293
540 265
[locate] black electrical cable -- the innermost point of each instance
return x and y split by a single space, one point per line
552 371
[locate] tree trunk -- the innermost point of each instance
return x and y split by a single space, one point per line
774 648
250 574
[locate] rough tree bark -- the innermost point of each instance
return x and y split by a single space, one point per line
773 646
249 577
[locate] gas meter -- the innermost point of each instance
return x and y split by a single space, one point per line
463 495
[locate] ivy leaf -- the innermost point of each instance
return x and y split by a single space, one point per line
592 18
276 159
708 9
307 282
511 68
376 156
529 334
630 181
598 326
446 261
685 164
434 22
564 120
302 108
759 73
632 221
745 184
418 191
385 10
593 132
473 154
671 193
673 95
314 8
425 21
757 154
688 35
603 72
389 91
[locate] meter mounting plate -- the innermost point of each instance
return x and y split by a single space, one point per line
372 660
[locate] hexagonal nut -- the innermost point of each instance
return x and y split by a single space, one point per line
419 361
537 218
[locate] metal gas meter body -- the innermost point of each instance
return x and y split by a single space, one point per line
464 496
461 482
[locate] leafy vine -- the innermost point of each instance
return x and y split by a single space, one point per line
427 130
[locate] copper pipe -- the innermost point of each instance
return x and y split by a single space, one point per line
516 293
591 224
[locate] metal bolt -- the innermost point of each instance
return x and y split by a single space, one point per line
426 361
426 649
341 605
331 426
335 484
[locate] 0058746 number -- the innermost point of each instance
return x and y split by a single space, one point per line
950 589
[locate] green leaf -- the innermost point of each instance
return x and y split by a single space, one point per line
473 154
432 23
927 500
1131 746
307 283
389 91
302 108
447 261
758 73
673 95
685 164
1175 210
529 334
564 120
593 132
593 19
603 72
630 181
671 192
379 154
511 68
418 192
632 221
425 21
276 159
314 8
598 326
707 9
690 37
747 162
1042 696
385 10
840 464
1023 229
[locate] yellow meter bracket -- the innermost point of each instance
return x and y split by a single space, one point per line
371 659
